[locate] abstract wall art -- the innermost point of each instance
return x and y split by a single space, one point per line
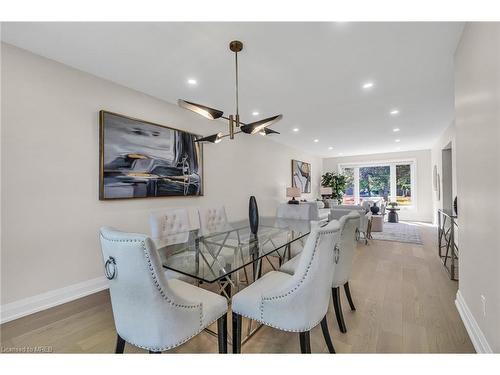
301 176
140 159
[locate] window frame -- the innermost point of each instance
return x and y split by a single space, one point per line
391 163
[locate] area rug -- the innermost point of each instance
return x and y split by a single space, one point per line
399 232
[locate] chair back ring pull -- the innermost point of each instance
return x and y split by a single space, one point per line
110 268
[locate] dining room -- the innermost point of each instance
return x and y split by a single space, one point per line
168 188
224 217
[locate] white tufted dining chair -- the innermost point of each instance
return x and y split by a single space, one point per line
213 220
348 225
171 227
151 312
297 302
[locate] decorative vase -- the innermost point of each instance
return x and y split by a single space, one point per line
375 209
253 215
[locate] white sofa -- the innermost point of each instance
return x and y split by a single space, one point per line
336 212
304 210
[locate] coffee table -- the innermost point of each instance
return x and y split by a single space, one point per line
393 215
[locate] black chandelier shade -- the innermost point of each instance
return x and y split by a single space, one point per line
235 125
267 131
214 138
257 126
209 113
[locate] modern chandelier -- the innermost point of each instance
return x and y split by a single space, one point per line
261 126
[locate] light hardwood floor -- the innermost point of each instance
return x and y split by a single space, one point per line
403 296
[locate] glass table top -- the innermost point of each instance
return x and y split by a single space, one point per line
215 256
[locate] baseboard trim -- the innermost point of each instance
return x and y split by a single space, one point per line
476 335
27 306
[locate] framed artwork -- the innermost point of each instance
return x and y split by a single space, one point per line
301 176
140 159
435 178
438 190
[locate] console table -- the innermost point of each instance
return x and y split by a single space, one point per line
447 225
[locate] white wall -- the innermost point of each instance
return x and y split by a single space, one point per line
50 157
423 211
477 104
448 136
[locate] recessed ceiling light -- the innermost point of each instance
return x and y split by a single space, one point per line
394 112
295 130
397 140
330 148
255 113
192 81
316 140
368 85
395 130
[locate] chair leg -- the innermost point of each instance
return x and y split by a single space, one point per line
338 309
305 342
120 345
222 333
326 335
226 291
236 333
153 352
348 295
257 269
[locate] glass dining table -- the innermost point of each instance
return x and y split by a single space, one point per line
232 255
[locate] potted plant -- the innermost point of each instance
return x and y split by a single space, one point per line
337 182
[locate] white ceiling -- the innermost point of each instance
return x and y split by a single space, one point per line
310 72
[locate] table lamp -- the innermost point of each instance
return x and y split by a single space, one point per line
293 192
325 192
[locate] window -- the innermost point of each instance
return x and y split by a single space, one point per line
348 197
392 181
374 182
403 184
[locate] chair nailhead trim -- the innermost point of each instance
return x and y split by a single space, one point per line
278 327
163 294
162 349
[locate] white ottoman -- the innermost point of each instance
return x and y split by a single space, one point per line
377 223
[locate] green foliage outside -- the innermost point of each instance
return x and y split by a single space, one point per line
403 180
374 181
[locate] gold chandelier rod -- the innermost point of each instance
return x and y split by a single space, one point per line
260 126
237 97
